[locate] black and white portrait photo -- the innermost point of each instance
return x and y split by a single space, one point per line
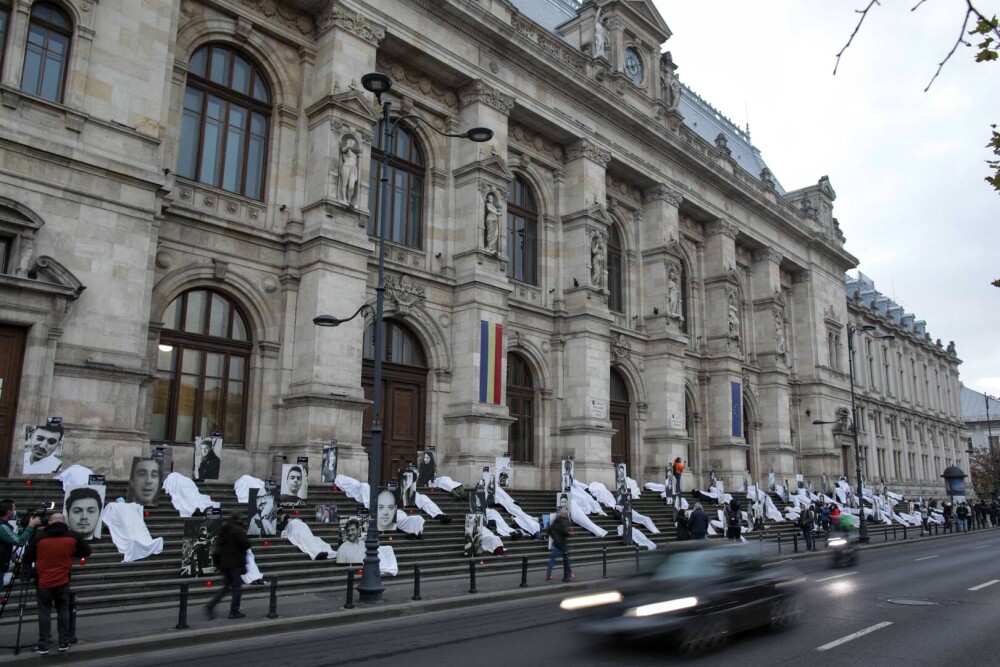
490 486
198 545
43 448
407 490
477 499
385 513
326 514
352 539
329 472
144 481
82 506
426 466
627 520
564 502
505 473
567 470
621 478
473 535
207 457
262 513
294 483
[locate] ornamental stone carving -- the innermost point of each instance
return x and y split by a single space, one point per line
491 222
478 91
417 81
598 257
779 332
662 192
352 22
348 177
730 229
670 85
276 11
733 310
404 292
767 255
674 296
590 150
621 349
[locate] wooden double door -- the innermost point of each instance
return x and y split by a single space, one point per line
11 360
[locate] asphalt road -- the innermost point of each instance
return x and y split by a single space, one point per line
850 619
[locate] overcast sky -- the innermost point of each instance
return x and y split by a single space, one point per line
907 166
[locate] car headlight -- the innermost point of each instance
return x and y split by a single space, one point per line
593 600
837 542
662 607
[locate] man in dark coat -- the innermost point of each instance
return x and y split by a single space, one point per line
230 555
208 467
698 523
559 534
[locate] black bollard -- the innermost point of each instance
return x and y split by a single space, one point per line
272 607
885 534
604 559
524 572
472 576
416 583
72 618
182 613
893 532
779 544
795 543
904 532
760 541
350 589
637 558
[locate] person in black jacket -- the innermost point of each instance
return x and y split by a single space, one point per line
698 522
559 534
230 555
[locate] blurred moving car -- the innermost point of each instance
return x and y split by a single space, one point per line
697 592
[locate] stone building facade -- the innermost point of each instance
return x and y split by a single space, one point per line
187 183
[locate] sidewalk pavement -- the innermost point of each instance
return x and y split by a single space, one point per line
134 632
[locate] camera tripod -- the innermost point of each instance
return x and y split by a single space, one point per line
22 603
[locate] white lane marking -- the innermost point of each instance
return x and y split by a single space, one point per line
988 583
854 635
927 557
836 576
983 546
777 562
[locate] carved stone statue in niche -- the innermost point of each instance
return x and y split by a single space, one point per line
600 35
779 333
27 252
734 316
349 152
597 259
670 85
674 292
491 242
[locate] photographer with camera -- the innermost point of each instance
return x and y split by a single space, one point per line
52 552
10 538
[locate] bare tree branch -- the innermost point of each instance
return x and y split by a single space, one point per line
864 15
954 47
914 8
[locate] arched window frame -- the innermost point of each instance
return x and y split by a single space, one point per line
522 233
217 348
616 273
212 92
50 37
406 178
521 404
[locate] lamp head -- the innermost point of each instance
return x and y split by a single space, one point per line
327 321
868 327
888 337
376 82
479 134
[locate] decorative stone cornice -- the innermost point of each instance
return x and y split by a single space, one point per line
279 13
767 255
417 81
352 22
662 192
730 229
478 91
590 150
803 276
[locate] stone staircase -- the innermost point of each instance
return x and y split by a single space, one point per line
105 583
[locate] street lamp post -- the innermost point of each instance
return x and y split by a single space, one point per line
370 589
851 330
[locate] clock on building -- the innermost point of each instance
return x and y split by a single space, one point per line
633 65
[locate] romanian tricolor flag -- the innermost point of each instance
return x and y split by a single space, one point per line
490 361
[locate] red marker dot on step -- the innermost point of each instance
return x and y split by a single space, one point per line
208 584
266 543
27 482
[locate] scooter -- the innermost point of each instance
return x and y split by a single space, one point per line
845 554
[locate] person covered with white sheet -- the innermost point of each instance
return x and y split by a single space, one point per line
129 532
298 533
359 491
184 495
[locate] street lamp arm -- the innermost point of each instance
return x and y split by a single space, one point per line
477 134
331 321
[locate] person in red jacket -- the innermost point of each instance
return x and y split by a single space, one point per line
51 553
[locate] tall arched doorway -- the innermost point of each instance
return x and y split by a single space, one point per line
404 396
748 436
620 413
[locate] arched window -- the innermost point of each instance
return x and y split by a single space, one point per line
47 53
202 370
4 22
522 233
521 403
406 188
616 301
227 110
401 346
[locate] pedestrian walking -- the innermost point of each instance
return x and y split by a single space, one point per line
51 552
683 526
806 523
924 520
698 522
734 519
962 515
230 555
825 517
559 536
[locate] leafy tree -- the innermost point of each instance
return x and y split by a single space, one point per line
981 472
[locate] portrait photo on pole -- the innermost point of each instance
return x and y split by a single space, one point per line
490 487
385 513
407 487
294 484
426 466
144 482
621 477
43 448
352 539
505 473
329 472
477 499
82 506
207 457
473 535
326 514
262 512
198 545
627 519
